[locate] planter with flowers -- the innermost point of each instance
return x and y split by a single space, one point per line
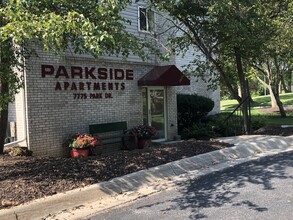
143 135
82 144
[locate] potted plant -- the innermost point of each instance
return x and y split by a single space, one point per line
82 144
143 133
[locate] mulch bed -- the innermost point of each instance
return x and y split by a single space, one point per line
275 110
23 179
275 130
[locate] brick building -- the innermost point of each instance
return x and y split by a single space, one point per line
64 95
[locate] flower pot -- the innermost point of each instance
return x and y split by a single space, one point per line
79 152
142 143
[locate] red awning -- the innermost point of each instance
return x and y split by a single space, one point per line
164 76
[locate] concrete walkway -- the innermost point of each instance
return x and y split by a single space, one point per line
81 203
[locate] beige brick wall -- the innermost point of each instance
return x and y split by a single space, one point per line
171 113
53 115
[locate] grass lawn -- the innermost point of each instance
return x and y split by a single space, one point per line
260 101
272 119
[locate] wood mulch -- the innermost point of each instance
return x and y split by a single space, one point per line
23 179
275 130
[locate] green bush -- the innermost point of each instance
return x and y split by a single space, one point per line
216 126
221 128
257 123
217 121
199 131
192 109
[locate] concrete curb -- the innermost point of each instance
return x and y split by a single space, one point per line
79 203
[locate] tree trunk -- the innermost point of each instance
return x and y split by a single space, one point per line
248 91
273 98
3 117
284 85
278 101
275 88
244 91
290 81
6 60
272 86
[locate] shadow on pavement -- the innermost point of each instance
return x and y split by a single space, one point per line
220 188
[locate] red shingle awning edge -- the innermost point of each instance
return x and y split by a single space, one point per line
164 76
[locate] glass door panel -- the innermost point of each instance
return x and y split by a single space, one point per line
157 111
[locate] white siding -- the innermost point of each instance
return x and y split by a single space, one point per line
197 85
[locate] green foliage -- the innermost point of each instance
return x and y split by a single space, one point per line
257 123
94 27
192 109
276 119
199 131
220 126
223 128
216 126
10 82
216 28
232 36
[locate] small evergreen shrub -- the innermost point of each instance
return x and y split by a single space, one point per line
199 131
222 129
257 123
192 109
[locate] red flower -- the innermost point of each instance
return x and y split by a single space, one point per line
82 141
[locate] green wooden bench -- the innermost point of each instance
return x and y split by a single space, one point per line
114 134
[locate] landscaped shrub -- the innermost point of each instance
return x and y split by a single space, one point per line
220 126
192 109
199 131
257 123
216 126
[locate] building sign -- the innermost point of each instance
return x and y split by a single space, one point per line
88 82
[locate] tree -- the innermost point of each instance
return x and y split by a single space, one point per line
275 63
83 26
272 71
228 33
225 32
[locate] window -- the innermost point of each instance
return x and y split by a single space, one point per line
146 19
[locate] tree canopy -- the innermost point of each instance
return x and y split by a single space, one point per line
230 34
89 26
